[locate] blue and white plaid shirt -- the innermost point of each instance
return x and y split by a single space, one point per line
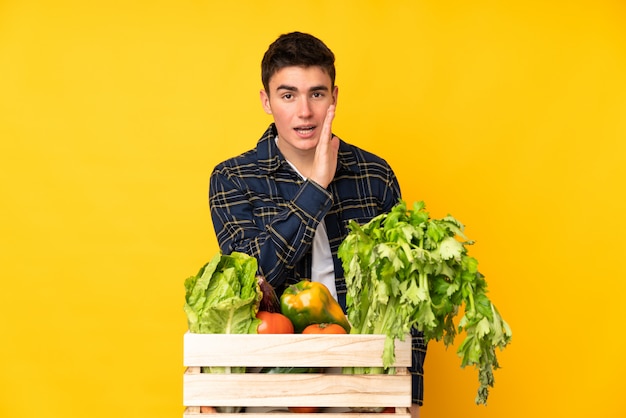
261 207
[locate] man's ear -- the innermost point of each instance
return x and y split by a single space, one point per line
335 94
265 101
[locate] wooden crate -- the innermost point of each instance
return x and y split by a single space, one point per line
271 394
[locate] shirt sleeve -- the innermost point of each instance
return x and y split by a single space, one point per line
393 195
418 352
277 245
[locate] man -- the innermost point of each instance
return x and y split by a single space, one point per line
288 201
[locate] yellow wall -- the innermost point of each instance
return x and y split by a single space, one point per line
509 115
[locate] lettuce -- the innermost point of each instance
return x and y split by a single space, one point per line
224 296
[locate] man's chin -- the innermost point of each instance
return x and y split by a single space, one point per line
302 144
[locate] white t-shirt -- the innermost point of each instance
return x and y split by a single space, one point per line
322 267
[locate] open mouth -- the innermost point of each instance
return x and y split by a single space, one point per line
305 130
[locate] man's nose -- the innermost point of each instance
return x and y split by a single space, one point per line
304 108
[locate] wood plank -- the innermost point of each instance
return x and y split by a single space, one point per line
286 414
334 390
286 350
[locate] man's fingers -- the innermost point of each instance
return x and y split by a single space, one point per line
328 123
325 161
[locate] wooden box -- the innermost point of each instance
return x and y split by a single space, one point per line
266 394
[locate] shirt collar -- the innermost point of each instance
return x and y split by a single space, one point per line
270 159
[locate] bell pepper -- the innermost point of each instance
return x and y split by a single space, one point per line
306 303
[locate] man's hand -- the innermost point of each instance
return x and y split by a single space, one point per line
325 160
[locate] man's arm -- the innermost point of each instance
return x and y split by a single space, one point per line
277 239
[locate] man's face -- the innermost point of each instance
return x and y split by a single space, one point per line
298 99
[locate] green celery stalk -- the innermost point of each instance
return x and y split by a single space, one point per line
405 270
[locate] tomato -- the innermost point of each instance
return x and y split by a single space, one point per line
324 329
207 410
304 409
274 323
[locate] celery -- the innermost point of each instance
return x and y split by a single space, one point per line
404 270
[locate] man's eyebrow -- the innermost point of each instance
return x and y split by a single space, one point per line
287 87
319 88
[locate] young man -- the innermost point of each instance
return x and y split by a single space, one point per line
288 201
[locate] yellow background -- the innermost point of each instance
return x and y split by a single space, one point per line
511 116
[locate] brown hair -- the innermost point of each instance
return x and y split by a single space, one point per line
296 49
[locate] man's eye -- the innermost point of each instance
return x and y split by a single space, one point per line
287 96
317 95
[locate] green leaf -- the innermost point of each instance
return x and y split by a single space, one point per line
450 248
483 328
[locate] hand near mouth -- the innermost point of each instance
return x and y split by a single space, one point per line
325 160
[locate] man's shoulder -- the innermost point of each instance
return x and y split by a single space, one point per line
247 158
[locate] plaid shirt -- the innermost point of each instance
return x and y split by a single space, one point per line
261 207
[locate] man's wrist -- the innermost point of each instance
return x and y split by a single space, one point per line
313 199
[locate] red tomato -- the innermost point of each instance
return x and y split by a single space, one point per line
274 323
208 410
324 329
304 409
